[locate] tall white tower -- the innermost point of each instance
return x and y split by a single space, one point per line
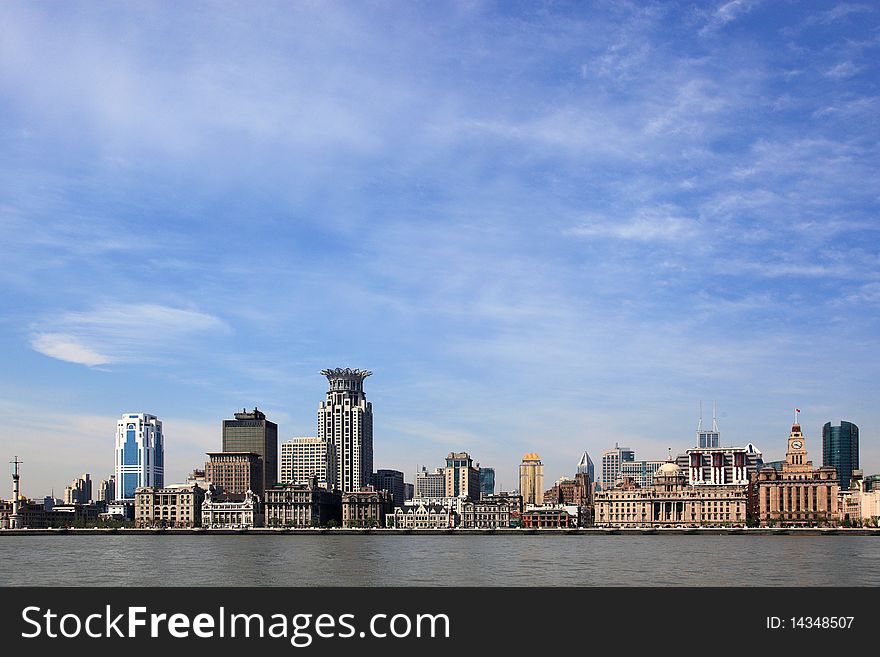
345 420
14 520
140 454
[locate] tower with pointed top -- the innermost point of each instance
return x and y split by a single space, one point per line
345 420
585 466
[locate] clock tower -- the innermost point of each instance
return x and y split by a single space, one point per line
797 494
796 457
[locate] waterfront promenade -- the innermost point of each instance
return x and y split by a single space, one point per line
512 531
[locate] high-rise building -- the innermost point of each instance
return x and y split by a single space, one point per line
531 479
641 472
585 466
305 457
611 460
429 484
79 491
487 482
840 449
345 420
721 466
252 432
140 454
710 464
107 489
708 437
235 473
460 476
392 481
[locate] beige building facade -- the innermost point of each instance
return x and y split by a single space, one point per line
460 477
170 506
531 479
860 505
671 502
304 457
422 516
489 513
798 494
231 511
366 508
301 505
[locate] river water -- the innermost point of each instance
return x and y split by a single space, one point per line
411 560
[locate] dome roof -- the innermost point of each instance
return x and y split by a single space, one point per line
668 469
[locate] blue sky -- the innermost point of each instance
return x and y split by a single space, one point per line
545 227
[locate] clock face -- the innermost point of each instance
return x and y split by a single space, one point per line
796 444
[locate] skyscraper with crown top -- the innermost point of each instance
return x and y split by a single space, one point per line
345 420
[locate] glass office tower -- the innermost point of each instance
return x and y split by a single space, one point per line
140 454
840 448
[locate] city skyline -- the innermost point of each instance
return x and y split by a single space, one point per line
181 471
547 229
185 470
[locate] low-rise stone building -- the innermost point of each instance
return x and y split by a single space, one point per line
366 507
170 506
35 515
548 517
670 502
302 505
422 516
490 512
231 511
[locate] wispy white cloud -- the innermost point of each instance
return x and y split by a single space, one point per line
726 13
125 333
842 70
67 347
538 206
647 225
840 11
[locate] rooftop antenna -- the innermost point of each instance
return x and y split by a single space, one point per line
714 420
700 423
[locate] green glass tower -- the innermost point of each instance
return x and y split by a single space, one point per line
840 448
